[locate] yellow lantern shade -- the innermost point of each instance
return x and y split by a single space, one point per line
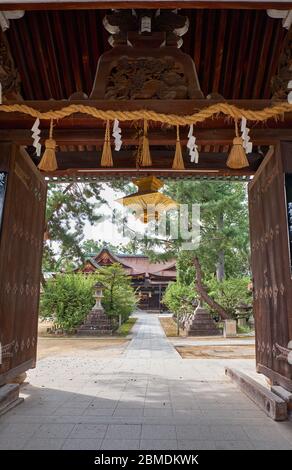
147 201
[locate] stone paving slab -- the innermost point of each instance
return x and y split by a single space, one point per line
148 397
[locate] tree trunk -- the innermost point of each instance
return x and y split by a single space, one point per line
220 268
204 295
43 281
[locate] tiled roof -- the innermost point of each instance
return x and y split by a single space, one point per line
135 264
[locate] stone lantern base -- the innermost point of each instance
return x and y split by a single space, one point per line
203 324
96 323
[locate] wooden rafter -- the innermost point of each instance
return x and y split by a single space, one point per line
226 44
74 5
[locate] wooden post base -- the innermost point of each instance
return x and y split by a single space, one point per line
274 406
19 379
9 397
285 395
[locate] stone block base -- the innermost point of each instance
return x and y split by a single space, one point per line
9 397
229 328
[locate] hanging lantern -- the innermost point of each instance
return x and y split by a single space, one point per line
148 203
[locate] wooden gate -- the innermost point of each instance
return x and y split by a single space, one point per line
271 265
22 199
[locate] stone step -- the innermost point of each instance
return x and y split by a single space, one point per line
95 327
205 319
201 316
96 323
96 320
205 332
202 322
99 318
94 332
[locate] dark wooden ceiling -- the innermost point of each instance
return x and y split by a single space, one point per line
236 51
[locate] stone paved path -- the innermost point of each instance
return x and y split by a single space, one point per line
147 398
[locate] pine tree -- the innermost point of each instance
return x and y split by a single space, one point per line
69 207
224 245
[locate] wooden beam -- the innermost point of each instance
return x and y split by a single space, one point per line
64 137
275 377
108 173
145 4
161 159
87 163
181 107
269 402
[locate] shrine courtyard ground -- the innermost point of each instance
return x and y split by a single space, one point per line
139 394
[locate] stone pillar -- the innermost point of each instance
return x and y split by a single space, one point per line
242 321
229 328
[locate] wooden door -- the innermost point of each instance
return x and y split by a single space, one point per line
271 267
21 243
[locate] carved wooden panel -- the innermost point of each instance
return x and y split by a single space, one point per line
9 76
129 73
21 245
147 78
271 266
280 82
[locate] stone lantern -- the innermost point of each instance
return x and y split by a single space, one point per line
98 295
97 321
243 312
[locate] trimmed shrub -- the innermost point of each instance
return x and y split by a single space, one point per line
67 299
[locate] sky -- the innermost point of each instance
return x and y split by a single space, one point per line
107 230
110 232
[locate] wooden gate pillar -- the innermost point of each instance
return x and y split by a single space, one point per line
270 209
22 210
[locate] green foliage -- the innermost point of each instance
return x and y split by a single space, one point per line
224 224
244 329
126 327
69 207
92 247
185 269
67 299
230 292
119 296
179 297
224 244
